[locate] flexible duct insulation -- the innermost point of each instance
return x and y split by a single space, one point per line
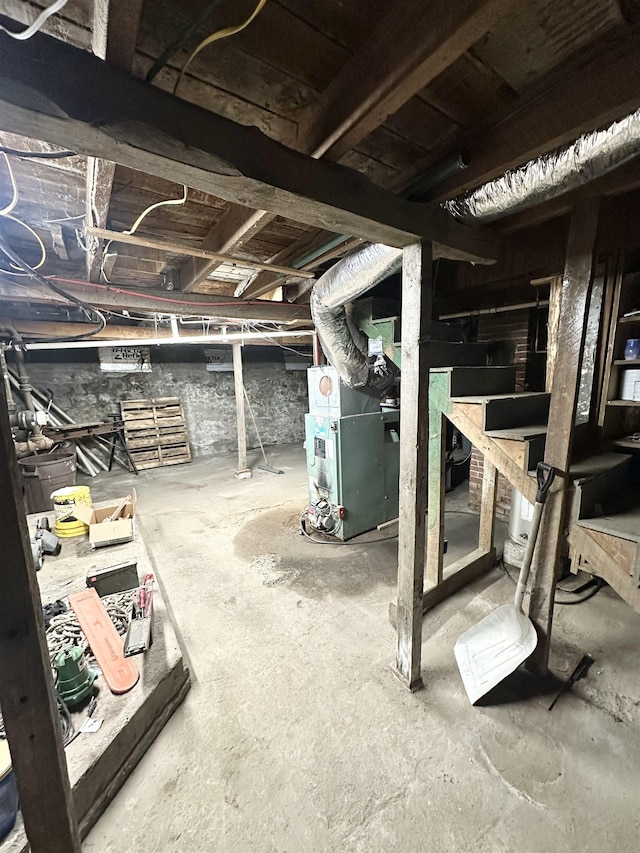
590 156
344 282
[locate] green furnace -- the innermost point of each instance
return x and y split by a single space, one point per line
353 457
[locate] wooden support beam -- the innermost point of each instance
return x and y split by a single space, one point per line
236 227
576 284
488 505
101 111
554 112
29 708
241 471
181 249
435 496
115 32
405 53
457 575
414 436
139 299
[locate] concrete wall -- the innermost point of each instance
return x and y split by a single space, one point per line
278 396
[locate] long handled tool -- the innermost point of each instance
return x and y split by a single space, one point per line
266 466
496 646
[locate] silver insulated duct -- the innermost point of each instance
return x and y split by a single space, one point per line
344 282
590 156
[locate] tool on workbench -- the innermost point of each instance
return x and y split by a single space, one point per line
105 642
578 673
140 631
494 648
112 579
75 679
266 466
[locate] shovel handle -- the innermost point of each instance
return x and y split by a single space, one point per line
545 475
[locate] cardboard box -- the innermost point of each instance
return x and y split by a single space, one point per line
102 532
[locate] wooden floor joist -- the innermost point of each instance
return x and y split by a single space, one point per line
101 111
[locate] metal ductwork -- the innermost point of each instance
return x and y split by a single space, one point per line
347 280
590 156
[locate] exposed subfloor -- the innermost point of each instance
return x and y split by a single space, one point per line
297 737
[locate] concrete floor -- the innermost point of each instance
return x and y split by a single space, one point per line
297 737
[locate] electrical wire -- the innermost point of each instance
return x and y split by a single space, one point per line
14 199
219 34
303 530
33 28
89 310
38 155
43 251
134 227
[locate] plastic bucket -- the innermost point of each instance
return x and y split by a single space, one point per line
64 503
42 475
8 792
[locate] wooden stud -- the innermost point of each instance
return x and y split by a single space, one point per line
435 496
488 505
242 471
414 434
181 249
562 412
29 709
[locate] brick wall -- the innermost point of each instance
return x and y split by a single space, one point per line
513 332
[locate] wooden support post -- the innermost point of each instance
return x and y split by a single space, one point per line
29 709
414 425
242 472
488 505
435 496
562 412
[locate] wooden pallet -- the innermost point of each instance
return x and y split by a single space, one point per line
155 432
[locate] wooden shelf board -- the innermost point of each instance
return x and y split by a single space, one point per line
623 403
627 362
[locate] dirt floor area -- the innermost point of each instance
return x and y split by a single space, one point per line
297 737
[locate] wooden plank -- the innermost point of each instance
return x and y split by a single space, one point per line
414 436
181 249
458 575
555 304
488 505
600 563
114 36
405 52
521 409
562 411
101 111
435 496
238 384
29 708
238 225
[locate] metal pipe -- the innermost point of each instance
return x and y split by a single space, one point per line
424 186
25 385
590 156
11 403
500 310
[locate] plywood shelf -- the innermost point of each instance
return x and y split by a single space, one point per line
627 362
623 403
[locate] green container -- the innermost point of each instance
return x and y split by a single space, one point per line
75 679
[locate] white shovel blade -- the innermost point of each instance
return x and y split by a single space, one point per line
493 649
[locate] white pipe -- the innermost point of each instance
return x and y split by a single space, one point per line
188 339
500 310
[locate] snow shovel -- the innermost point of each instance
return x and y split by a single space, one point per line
496 646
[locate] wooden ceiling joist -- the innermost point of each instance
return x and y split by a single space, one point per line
101 111
404 54
573 99
115 31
